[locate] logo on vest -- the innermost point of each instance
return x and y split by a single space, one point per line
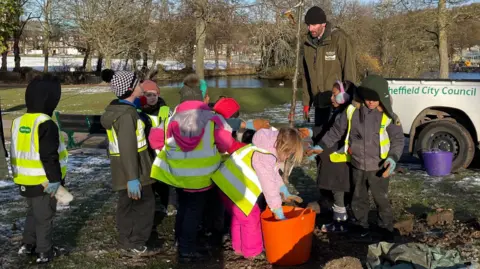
25 130
330 56
23 189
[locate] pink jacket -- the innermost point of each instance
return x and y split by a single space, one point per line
187 126
266 167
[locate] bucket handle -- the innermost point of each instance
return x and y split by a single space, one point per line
303 213
422 150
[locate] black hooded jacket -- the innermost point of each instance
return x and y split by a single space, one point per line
42 96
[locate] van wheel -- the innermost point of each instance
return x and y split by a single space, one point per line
448 136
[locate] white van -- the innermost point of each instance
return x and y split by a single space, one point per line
443 114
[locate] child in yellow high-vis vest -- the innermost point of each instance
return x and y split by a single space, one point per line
38 155
373 144
250 171
130 163
333 176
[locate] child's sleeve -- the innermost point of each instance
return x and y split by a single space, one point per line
335 133
48 143
156 138
397 140
270 180
126 127
222 134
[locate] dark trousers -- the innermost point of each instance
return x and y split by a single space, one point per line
189 215
135 218
339 198
378 186
214 215
39 223
163 191
322 115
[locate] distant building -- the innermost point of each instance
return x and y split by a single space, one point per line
31 41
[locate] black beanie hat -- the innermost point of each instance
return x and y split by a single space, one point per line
315 15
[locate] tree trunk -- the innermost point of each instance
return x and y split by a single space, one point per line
201 36
4 56
85 59
442 38
217 55
45 55
154 60
108 61
16 52
291 118
88 65
145 60
134 64
229 56
99 63
190 54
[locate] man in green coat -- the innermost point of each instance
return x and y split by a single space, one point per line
328 56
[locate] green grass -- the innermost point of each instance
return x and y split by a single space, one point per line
251 100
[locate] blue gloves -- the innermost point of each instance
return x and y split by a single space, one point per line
284 190
278 212
312 157
288 197
249 125
390 165
134 189
52 188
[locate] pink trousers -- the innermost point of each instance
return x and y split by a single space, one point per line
246 230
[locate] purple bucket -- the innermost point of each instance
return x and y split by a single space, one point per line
437 163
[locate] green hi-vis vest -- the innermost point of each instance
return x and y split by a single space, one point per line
238 180
113 140
344 156
188 170
27 167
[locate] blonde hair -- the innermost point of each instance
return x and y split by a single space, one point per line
289 143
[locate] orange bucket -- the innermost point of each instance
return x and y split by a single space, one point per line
288 242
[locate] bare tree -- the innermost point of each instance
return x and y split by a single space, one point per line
49 20
110 25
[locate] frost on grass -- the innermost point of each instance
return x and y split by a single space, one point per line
88 179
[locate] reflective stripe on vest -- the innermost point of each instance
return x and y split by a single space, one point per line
27 167
188 170
343 156
238 180
113 140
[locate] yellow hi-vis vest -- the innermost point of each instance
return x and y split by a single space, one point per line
27 167
160 120
162 116
188 170
113 140
344 156
238 180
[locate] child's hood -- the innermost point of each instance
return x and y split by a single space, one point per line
266 139
42 97
113 111
188 124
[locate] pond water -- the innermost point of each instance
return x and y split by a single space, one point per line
256 82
